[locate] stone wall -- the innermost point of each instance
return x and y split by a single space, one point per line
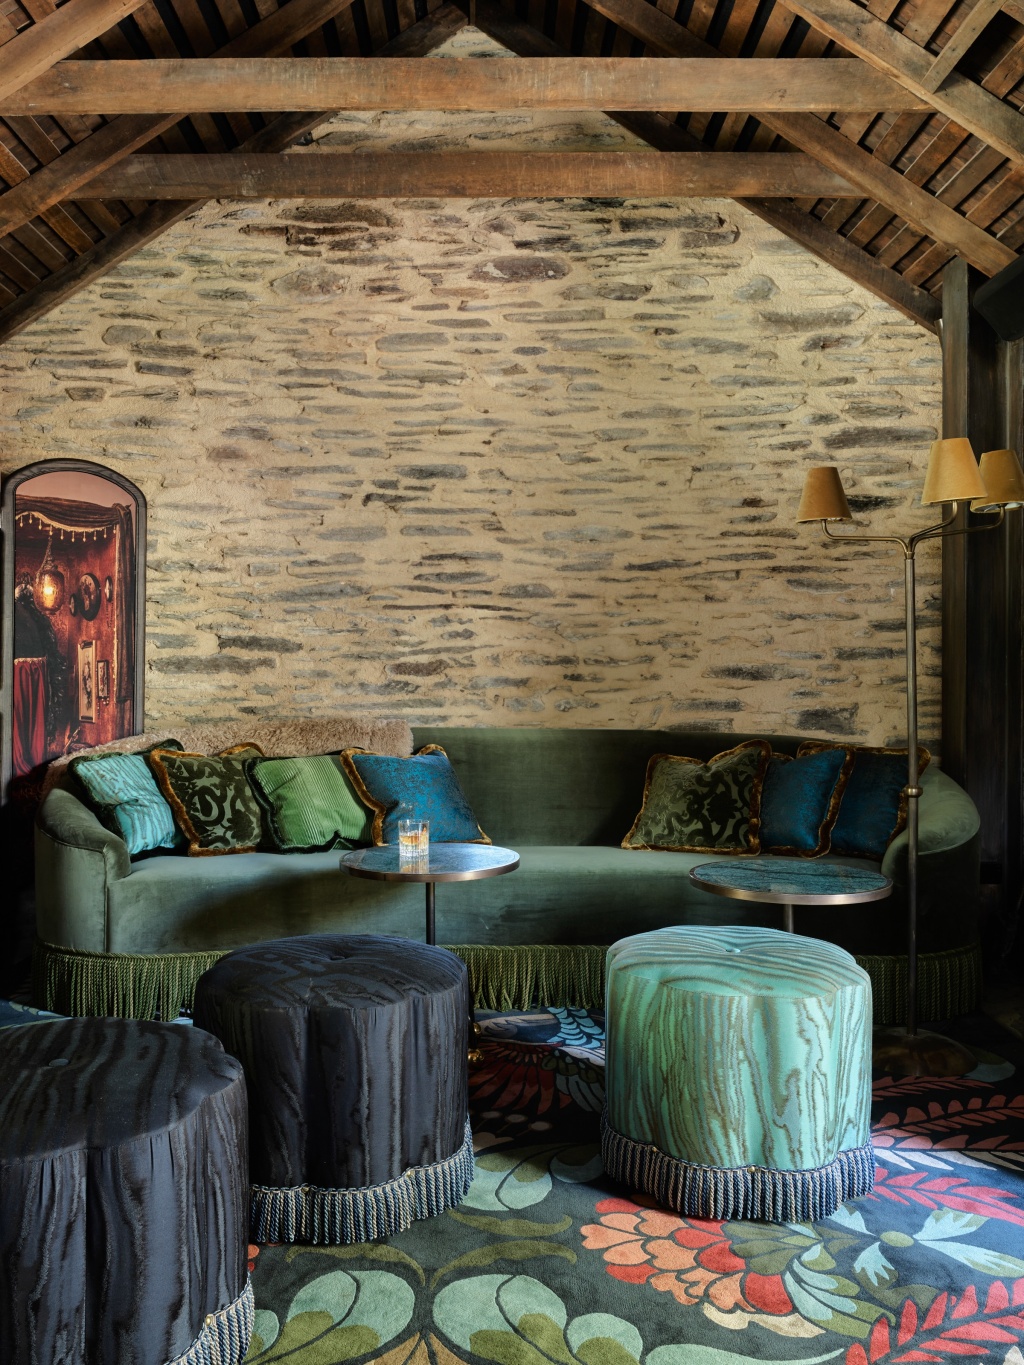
514 463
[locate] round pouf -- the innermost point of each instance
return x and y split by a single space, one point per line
738 1073
123 1196
354 1049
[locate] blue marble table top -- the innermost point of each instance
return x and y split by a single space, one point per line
790 881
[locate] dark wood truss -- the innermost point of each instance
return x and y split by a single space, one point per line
937 174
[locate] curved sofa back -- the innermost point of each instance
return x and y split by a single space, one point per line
532 786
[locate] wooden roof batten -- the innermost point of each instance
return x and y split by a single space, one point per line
919 156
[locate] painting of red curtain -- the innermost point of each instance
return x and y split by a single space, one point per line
73 612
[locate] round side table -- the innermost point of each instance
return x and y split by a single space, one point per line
444 863
790 881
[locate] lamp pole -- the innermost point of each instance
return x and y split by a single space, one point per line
953 476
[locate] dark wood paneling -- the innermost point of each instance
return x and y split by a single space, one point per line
983 590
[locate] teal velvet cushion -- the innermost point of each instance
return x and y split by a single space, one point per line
211 799
423 787
123 792
873 809
801 800
308 804
694 807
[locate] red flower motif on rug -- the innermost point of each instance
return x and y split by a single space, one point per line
691 1259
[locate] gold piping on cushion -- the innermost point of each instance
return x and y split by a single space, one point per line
181 816
378 807
753 824
824 844
924 757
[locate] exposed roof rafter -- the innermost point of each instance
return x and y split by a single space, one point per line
958 97
878 176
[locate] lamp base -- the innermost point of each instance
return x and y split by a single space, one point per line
920 1054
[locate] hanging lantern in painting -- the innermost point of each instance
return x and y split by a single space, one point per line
48 585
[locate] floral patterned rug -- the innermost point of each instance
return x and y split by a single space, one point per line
548 1263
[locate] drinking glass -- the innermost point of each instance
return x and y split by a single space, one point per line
413 841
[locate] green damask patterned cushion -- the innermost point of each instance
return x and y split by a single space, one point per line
211 799
694 807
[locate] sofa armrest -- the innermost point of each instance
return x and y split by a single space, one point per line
948 820
948 867
76 860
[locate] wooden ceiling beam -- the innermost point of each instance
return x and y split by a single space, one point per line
41 297
273 36
226 85
35 49
660 132
960 99
957 46
467 175
872 177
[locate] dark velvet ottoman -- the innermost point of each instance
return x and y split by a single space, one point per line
354 1049
123 1196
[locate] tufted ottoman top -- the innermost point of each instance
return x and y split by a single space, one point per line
316 972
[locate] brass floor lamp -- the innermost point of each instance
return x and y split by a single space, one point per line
953 477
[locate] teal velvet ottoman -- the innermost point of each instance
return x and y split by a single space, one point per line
738 1073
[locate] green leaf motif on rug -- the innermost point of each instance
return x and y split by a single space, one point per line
511 1227
525 1250
516 1320
507 1181
337 1317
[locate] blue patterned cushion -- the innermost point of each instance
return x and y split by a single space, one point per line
423 787
123 792
873 809
801 800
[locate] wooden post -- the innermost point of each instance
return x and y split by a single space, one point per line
983 600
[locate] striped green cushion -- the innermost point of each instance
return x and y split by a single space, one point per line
309 803
123 792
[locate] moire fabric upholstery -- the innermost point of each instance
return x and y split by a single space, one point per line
123 1192
738 1073
355 1053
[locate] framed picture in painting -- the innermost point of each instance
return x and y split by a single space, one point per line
87 680
73 585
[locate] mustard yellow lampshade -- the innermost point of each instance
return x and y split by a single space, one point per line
823 497
953 474
1003 479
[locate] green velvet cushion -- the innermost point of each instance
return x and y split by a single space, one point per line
873 809
690 806
801 799
123 792
211 799
308 804
423 787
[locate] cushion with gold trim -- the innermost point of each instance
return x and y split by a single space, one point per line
423 787
801 801
873 809
210 797
694 807
308 803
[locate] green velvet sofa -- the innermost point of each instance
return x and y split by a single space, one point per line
131 937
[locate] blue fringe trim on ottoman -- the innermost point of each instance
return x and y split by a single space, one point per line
739 1192
309 1213
224 1338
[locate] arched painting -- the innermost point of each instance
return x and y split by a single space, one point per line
74 595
